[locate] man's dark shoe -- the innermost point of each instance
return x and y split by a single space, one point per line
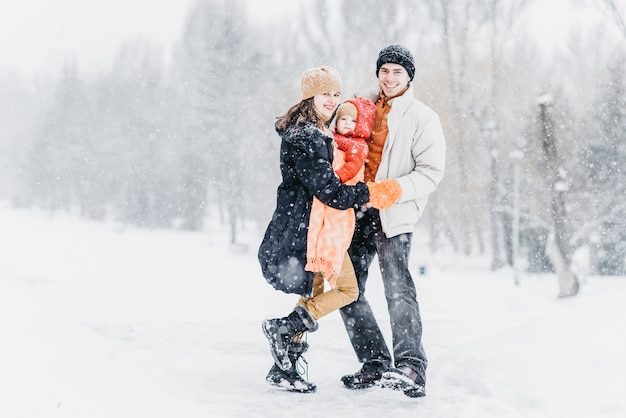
369 375
418 392
404 379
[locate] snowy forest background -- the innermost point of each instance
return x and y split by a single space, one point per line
536 136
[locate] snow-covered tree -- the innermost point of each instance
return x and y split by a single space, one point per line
55 165
604 176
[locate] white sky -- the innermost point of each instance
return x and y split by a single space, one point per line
39 36
552 21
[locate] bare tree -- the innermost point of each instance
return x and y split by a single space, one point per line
501 19
453 21
559 245
476 81
614 10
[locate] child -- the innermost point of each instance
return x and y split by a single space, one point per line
331 230
352 128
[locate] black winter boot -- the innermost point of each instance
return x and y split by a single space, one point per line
369 375
280 331
405 379
290 379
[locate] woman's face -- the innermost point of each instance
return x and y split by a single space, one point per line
326 103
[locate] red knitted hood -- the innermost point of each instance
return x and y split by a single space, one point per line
366 110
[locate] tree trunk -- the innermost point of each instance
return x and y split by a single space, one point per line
559 250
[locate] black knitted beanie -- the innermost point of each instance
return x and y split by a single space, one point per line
396 54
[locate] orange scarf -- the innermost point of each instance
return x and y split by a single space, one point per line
330 233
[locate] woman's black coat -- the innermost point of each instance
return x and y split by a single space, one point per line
306 154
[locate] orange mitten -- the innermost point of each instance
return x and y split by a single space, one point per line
384 194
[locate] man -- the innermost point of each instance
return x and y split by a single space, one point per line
407 146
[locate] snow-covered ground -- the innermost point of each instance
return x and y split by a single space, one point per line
97 320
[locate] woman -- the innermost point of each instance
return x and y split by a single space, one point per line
306 156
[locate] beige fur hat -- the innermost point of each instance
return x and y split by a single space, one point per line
320 80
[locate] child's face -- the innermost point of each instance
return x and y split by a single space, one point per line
345 124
